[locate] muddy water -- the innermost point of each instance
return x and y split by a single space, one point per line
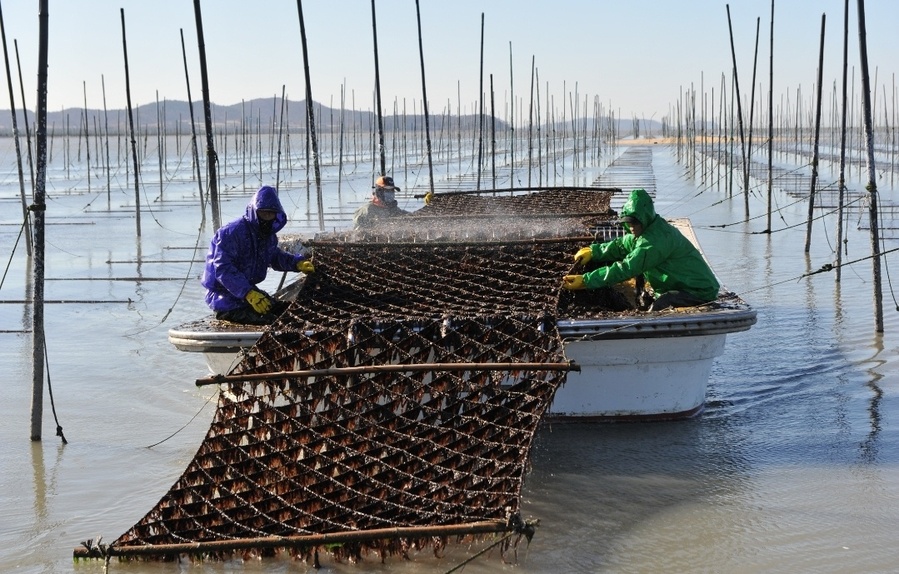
792 467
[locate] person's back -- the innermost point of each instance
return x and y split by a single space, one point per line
681 266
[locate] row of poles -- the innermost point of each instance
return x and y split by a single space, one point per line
691 133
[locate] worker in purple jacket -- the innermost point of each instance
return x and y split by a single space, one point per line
240 254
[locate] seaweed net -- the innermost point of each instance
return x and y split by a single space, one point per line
393 405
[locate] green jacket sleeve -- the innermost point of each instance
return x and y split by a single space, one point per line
627 256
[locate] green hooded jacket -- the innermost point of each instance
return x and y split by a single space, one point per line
667 259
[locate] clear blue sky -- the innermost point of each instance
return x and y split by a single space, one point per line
635 55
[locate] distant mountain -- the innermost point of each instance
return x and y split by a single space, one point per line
261 114
264 115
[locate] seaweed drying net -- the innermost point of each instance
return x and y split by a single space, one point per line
399 393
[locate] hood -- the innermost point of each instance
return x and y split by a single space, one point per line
639 205
266 198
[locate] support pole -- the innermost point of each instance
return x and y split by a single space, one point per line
814 182
211 159
733 54
872 174
131 130
310 120
39 209
842 177
424 97
374 28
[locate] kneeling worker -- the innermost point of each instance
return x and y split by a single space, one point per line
671 264
240 254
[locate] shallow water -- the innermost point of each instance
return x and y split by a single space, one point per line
792 467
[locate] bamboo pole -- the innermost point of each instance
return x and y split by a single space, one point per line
87 146
39 209
842 176
25 114
481 106
304 541
871 187
381 150
492 134
193 130
814 179
751 116
367 369
340 135
424 96
310 111
211 158
531 120
739 114
159 145
15 130
131 130
770 121
511 122
106 129
280 134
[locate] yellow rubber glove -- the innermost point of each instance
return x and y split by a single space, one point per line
583 255
306 267
428 197
259 301
573 282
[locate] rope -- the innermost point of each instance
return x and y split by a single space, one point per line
50 390
13 252
519 527
185 424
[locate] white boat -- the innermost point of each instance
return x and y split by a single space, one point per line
632 365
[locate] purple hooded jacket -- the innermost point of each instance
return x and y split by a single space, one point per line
240 254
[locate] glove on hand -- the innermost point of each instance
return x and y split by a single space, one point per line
306 267
259 301
573 282
583 255
428 197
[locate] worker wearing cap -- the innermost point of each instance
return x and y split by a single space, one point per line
240 254
671 264
382 206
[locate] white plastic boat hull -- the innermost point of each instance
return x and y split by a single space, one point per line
634 379
631 369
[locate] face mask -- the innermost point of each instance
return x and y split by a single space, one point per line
389 198
265 227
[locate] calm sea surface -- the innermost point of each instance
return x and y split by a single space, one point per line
792 467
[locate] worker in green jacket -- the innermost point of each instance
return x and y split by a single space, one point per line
671 264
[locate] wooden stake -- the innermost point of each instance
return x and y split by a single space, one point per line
39 209
131 130
814 182
211 159
424 96
872 174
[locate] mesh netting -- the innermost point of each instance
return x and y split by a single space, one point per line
400 391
